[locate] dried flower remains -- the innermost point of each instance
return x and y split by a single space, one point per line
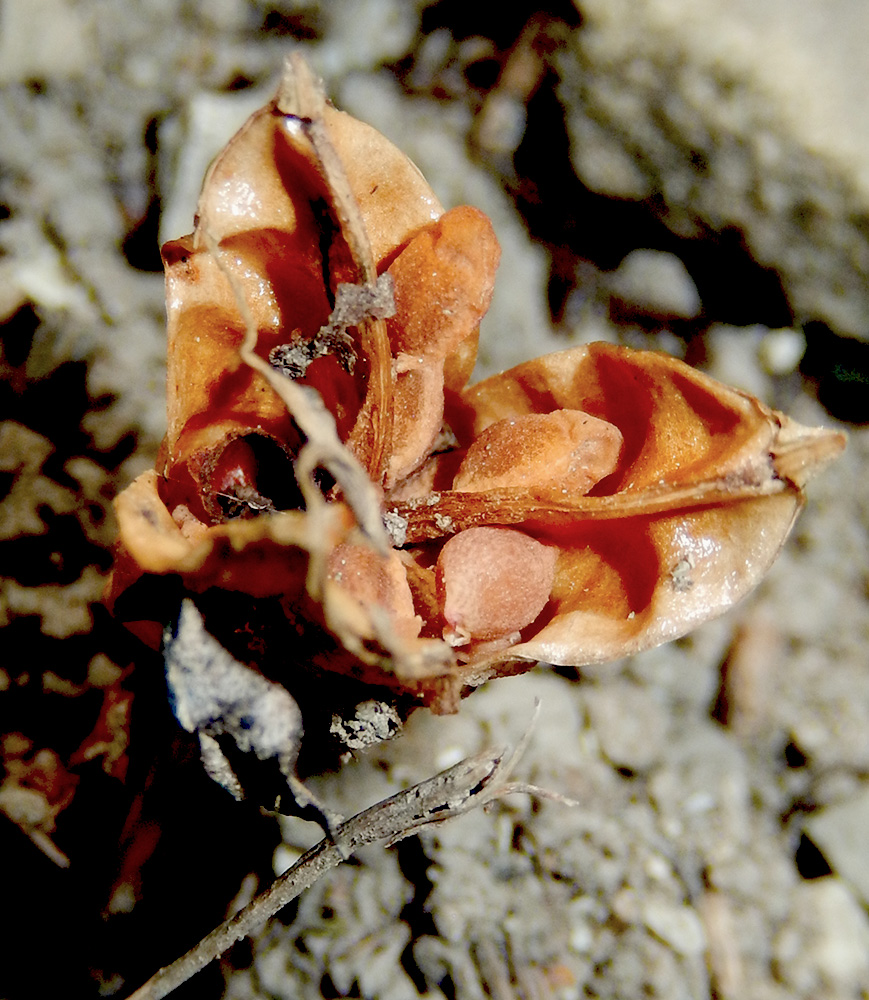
338 503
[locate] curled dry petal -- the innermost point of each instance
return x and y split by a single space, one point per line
418 402
444 279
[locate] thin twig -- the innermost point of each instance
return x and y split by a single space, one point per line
302 95
473 782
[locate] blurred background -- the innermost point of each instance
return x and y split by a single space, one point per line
683 175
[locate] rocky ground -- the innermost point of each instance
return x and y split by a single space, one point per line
667 174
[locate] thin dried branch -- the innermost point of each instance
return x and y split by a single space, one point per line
474 782
302 95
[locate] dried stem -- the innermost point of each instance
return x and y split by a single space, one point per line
451 511
301 94
473 782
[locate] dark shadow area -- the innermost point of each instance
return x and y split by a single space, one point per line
141 245
809 860
503 25
414 864
794 757
578 225
839 368
302 25
155 853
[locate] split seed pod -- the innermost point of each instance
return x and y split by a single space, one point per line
325 458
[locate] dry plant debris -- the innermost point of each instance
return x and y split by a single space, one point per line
55 537
328 470
476 781
60 130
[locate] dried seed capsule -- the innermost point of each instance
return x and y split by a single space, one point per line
492 582
567 448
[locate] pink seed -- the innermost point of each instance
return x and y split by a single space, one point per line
566 448
492 582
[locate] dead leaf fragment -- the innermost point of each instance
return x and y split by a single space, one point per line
35 789
234 711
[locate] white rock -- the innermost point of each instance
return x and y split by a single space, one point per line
630 724
678 925
780 351
840 832
43 39
824 945
742 114
657 283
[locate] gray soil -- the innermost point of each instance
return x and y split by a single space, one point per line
648 189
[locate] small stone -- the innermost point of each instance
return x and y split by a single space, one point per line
839 831
677 925
780 351
657 283
824 945
629 723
